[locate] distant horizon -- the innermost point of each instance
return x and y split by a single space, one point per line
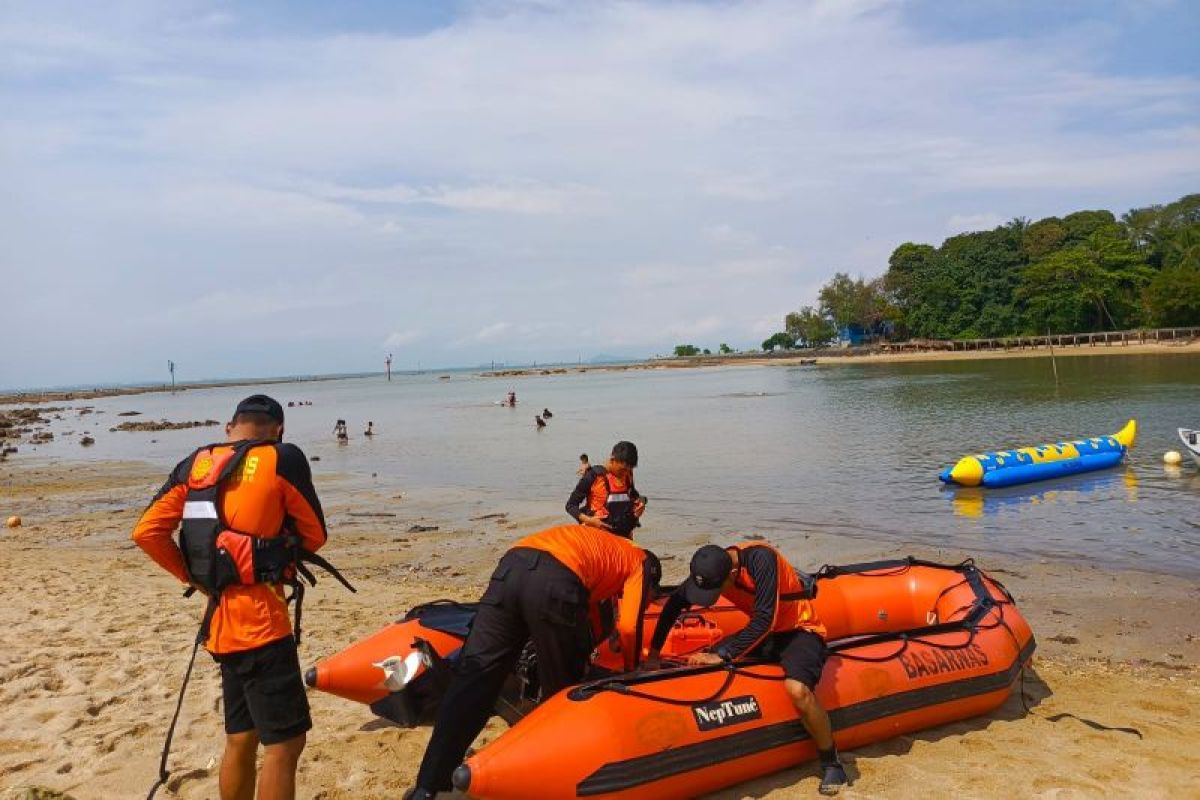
309 376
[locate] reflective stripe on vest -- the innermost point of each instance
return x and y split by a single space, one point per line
619 507
199 509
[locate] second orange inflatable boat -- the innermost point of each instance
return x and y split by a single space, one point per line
913 644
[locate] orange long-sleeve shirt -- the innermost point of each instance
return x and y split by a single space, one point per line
608 566
271 489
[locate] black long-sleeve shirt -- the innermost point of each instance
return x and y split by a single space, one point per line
580 501
762 565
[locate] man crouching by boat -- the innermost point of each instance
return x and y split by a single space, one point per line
542 590
783 625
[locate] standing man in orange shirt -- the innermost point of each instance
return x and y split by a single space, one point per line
229 498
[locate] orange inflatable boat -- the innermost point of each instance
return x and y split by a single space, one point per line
913 644
402 670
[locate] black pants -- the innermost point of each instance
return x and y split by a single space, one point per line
530 596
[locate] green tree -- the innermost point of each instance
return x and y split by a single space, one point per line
782 340
1173 297
686 350
845 300
810 327
1182 249
1042 238
973 293
1094 285
854 301
1082 224
724 349
908 270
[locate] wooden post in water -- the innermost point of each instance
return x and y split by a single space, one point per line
1053 360
388 362
171 369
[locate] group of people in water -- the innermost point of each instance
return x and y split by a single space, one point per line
343 435
563 588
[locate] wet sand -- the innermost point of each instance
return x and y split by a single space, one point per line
94 640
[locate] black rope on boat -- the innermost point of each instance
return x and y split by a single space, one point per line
621 688
970 626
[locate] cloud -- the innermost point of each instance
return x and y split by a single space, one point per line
704 326
725 234
491 333
986 221
766 325
526 198
402 338
593 173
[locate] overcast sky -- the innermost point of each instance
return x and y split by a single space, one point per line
268 188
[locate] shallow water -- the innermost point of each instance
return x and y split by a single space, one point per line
852 451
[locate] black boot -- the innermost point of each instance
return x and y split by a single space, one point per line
833 775
418 793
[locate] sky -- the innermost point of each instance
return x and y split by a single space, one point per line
279 188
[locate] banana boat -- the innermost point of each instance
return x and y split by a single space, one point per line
1028 464
913 644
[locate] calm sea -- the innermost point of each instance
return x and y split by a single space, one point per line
851 451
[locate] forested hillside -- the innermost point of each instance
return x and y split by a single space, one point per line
1086 271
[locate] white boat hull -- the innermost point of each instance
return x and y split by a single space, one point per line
1191 443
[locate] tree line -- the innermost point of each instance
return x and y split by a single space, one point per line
1086 271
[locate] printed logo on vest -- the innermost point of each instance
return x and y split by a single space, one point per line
723 713
201 467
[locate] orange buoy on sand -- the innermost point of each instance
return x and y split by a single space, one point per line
913 644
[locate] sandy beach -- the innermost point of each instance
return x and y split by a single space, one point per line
94 640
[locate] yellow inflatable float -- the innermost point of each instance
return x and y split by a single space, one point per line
1027 464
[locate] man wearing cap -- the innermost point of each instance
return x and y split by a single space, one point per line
783 625
268 492
606 498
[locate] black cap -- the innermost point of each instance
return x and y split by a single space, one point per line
260 404
711 565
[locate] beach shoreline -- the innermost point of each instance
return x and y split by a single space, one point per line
826 357
85 697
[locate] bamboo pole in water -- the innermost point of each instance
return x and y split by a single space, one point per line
1053 360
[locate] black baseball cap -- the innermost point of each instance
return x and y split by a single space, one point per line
260 404
711 565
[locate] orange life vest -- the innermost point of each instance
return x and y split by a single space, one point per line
793 608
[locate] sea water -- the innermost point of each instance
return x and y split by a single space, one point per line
850 450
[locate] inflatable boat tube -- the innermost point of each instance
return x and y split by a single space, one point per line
1027 464
913 645
402 670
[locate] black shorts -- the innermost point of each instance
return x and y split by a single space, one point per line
262 691
801 653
